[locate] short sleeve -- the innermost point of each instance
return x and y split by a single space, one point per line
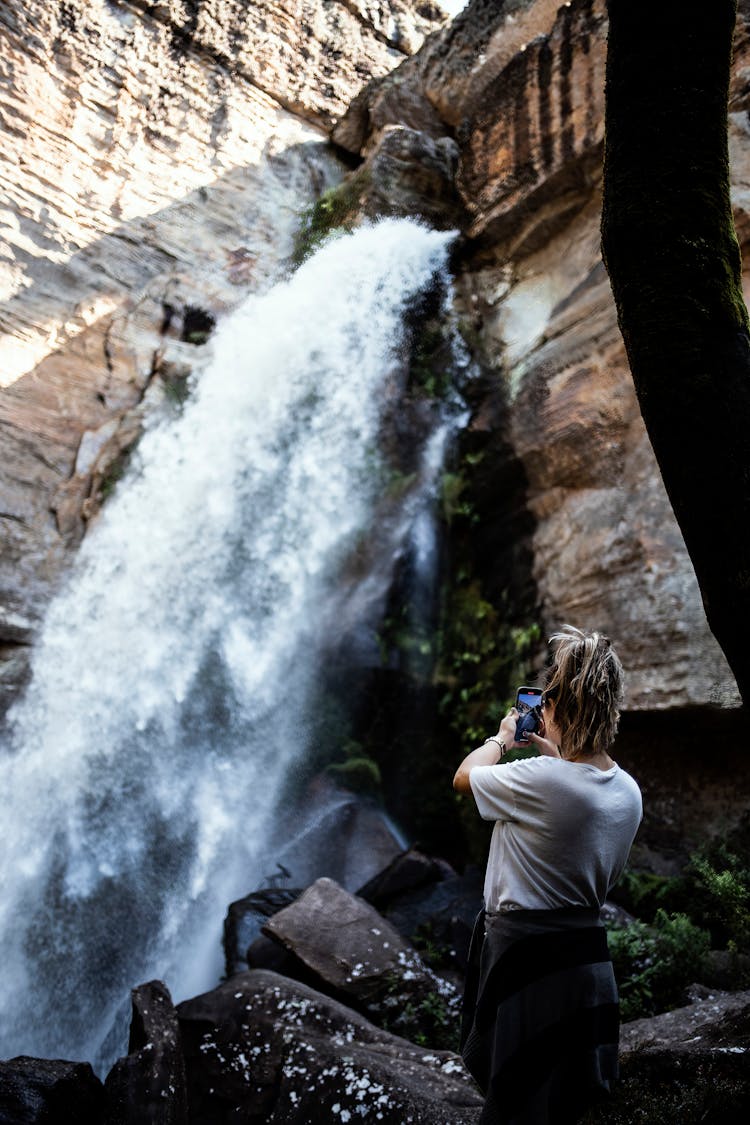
493 792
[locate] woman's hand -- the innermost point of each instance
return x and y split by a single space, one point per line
544 745
507 732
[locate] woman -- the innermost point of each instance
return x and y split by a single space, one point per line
541 1018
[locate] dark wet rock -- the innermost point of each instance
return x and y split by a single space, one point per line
341 938
409 871
49 1092
262 1048
266 954
147 1087
442 916
689 1065
335 833
437 911
244 919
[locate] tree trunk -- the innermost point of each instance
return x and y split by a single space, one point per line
671 252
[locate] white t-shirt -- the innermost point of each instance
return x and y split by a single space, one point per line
563 833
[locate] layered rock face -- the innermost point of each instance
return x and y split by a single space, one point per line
161 154
157 157
519 88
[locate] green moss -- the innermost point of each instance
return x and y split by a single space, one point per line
353 767
361 775
114 473
335 212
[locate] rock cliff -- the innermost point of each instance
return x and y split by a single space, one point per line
160 155
518 90
157 156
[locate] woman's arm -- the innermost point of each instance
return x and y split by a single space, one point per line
489 754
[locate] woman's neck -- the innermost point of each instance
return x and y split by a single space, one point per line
600 759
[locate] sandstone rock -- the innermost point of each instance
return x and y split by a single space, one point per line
531 148
49 1090
410 173
151 143
521 87
148 1085
263 1048
450 72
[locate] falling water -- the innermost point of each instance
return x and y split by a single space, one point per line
172 681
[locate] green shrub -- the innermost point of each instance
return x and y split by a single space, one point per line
718 883
654 964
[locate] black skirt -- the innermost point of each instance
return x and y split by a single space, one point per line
540 1023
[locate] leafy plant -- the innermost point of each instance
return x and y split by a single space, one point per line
718 884
655 963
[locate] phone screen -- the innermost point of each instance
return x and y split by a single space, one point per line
527 698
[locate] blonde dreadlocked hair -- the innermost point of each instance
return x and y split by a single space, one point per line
585 682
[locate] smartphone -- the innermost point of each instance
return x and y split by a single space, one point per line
529 711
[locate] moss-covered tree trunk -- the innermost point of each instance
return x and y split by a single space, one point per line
671 252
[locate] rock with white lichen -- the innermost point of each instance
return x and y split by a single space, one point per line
262 1048
352 952
148 1084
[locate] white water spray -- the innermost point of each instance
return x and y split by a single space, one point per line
170 686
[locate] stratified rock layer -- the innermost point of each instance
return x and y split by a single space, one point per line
157 158
161 153
520 86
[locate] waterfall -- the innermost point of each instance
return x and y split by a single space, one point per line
174 676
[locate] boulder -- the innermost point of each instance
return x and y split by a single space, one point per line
410 173
262 1048
356 955
341 938
336 833
409 871
429 904
243 922
49 1091
689 1065
148 1085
